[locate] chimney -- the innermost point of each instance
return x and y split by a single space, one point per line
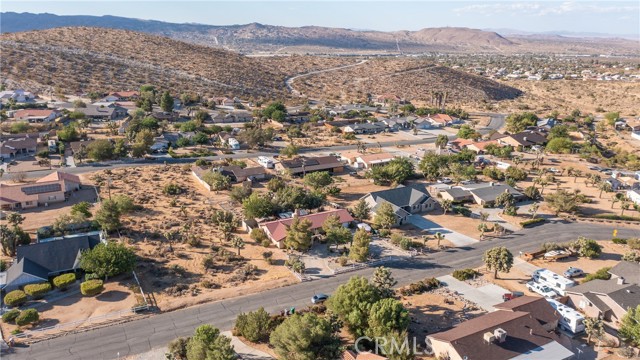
620 280
296 213
530 331
524 139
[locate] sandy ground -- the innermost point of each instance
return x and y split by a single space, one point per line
161 269
116 297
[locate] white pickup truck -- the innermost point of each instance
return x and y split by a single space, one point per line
541 289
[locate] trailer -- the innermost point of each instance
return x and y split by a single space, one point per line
555 255
533 255
570 319
554 281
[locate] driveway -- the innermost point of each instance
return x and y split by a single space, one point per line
485 296
457 239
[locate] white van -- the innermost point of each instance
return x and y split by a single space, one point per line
265 162
554 281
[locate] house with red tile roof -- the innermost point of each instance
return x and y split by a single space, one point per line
36 115
441 120
277 230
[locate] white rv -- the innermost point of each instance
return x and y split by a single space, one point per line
554 281
265 162
571 320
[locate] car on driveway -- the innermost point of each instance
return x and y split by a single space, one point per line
573 272
445 180
541 289
512 295
319 298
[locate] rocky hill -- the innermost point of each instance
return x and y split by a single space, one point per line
254 38
84 59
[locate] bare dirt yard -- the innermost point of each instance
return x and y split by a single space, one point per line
174 270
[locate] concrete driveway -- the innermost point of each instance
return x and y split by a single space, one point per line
485 296
456 238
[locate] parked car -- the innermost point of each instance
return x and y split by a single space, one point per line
319 298
445 180
512 295
573 272
541 289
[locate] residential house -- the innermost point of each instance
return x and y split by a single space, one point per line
605 299
18 95
303 165
14 147
386 99
499 335
36 115
241 115
470 144
456 195
405 200
298 116
238 174
441 120
422 123
524 139
546 124
634 196
39 262
626 270
615 183
52 188
365 128
370 160
365 355
103 113
537 306
487 195
342 109
399 123
277 230
122 96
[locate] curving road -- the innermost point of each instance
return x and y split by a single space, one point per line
289 81
156 331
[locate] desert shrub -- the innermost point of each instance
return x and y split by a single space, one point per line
172 189
268 256
421 286
462 210
634 244
602 274
91 287
619 241
405 244
63 281
465 274
10 315
208 262
37 291
531 222
385 232
266 243
616 217
258 235
396 239
28 316
631 256
343 260
15 298
208 284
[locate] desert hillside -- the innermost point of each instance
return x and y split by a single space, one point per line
75 59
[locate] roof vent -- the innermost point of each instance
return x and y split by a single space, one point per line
500 334
620 280
489 337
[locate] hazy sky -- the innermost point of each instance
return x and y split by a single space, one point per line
611 17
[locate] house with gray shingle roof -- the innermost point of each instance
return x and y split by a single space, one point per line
405 200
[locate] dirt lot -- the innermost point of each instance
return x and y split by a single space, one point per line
174 271
117 296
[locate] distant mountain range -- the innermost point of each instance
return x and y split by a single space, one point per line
259 38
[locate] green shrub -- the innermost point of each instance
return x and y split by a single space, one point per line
634 244
91 276
63 281
619 241
254 326
10 315
602 274
530 222
465 274
28 316
91 287
266 243
462 210
37 291
172 189
616 217
15 298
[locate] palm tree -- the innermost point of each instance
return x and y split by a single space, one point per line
439 237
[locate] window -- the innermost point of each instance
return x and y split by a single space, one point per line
28 203
52 197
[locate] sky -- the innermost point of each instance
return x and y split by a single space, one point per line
606 17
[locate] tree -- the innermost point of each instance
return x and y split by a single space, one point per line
237 243
594 327
446 206
441 141
207 344
318 180
101 149
11 238
290 150
385 217
275 111
532 192
15 219
298 235
256 137
225 222
361 210
519 122
395 171
69 132
108 216
439 237
387 316
257 206
108 259
178 348
533 209
81 209
166 102
216 180
359 250
563 201
254 326
306 337
559 145
466 132
352 302
336 233
383 281
587 247
498 259
630 327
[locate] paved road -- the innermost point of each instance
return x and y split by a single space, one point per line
143 335
289 82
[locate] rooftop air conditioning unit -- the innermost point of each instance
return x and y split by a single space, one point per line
500 334
489 337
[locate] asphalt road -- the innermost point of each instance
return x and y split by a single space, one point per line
143 335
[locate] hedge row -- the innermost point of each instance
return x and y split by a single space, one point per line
532 222
37 291
63 281
619 241
15 298
91 287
